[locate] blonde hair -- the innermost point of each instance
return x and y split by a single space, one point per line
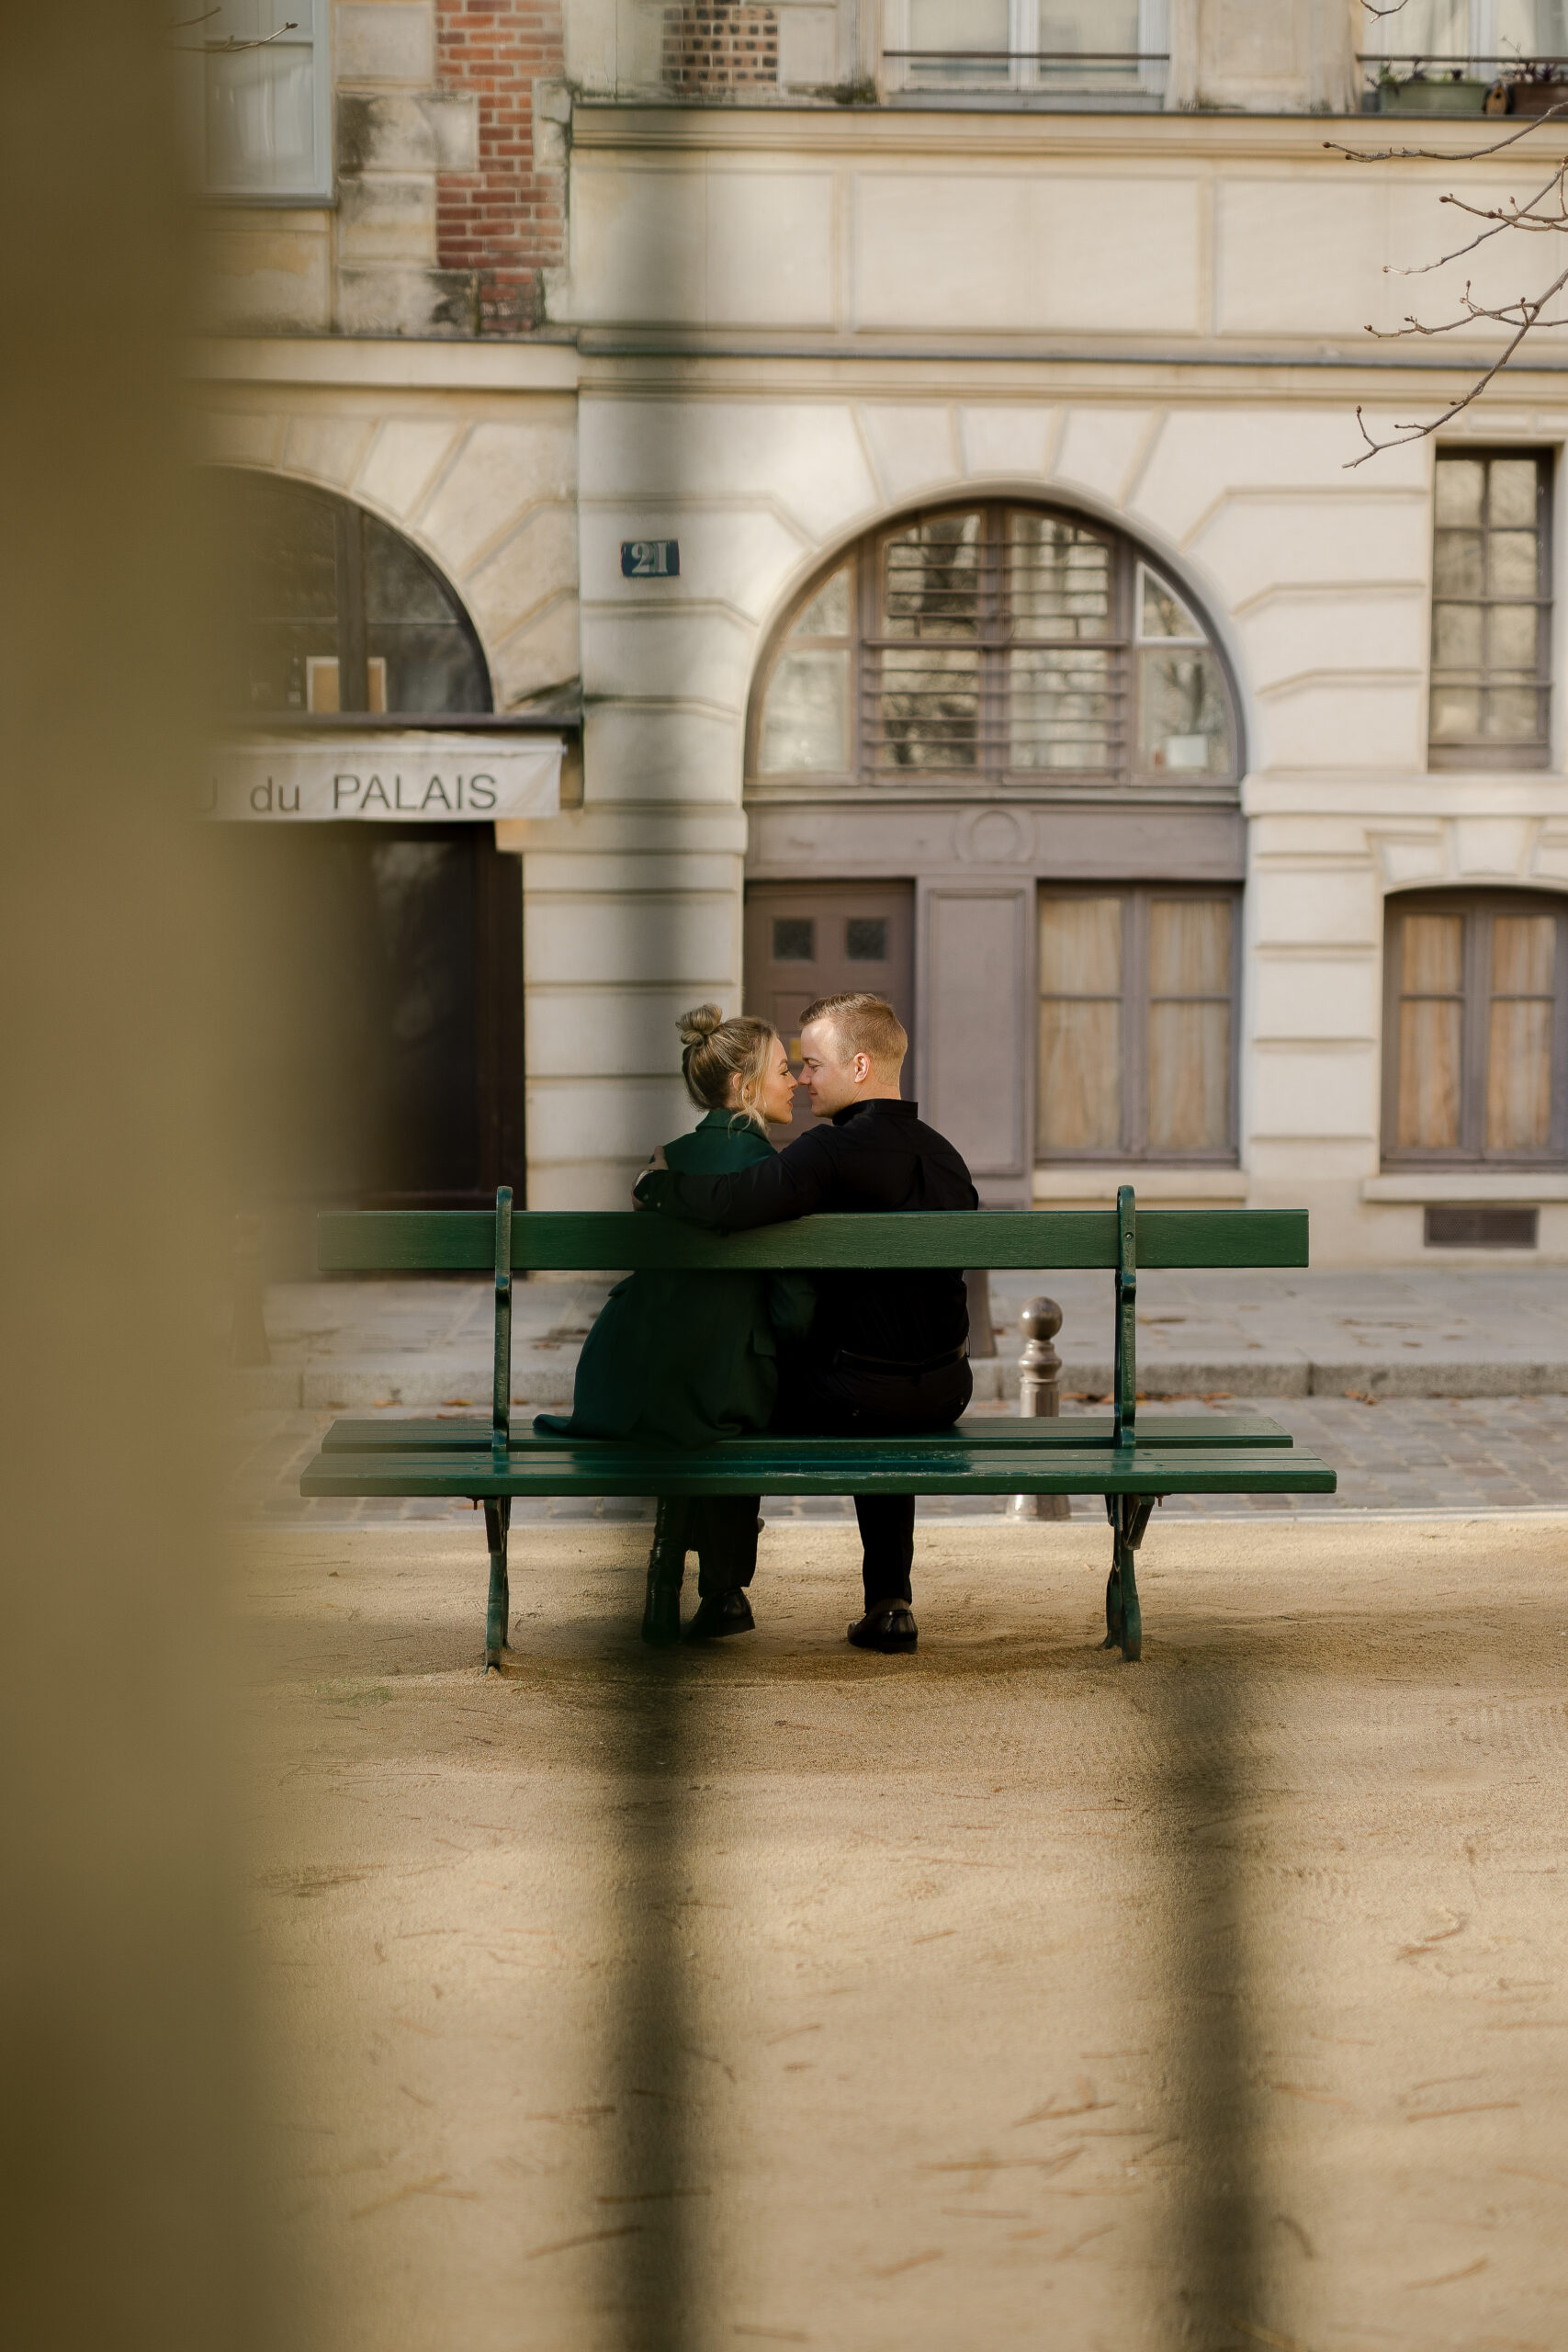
863 1024
715 1050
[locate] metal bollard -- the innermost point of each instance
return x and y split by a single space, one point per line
1040 1395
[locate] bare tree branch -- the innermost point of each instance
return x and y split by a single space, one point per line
232 46
1543 213
1441 155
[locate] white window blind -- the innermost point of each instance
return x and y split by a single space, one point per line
258 82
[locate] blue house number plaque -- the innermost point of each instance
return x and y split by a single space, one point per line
650 558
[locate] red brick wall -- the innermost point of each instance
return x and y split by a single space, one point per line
711 47
507 221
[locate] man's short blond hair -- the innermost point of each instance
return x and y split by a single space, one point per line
863 1024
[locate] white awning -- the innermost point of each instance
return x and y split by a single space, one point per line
385 779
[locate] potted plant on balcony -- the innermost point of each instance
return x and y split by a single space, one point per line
1528 88
1443 90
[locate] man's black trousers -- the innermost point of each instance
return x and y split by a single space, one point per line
851 1397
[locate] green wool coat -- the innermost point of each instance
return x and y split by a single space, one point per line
685 1359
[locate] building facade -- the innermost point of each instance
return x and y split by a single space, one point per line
893 462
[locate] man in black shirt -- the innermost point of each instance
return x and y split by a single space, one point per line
887 1354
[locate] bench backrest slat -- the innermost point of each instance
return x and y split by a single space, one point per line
584 1240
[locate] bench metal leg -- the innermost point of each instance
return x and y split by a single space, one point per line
498 1615
666 1570
1129 1515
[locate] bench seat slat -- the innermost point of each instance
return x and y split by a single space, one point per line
383 1436
929 1466
583 1241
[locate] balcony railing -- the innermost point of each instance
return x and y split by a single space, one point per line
1064 77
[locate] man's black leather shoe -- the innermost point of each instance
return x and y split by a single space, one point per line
721 1612
890 1627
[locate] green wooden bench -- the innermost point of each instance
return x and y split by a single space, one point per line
1133 1463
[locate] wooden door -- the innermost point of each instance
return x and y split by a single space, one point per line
809 939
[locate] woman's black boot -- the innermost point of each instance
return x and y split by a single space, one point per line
666 1569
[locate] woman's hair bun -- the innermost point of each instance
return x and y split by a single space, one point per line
700 1022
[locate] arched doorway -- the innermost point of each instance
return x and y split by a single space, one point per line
380 1032
1012 727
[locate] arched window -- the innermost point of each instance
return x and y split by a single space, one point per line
329 609
994 648
1475 1029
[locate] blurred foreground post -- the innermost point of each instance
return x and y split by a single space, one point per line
124 2114
1040 1395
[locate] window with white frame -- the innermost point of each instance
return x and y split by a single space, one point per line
258 78
1104 50
1491 34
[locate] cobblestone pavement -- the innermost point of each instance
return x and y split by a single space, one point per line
1438 1453
1457 1331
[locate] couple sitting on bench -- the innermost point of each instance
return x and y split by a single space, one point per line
688 1358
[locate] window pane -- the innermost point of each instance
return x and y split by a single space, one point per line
1432 958
805 717
827 615
274 566
1512 715
1518 1075
1512 633
261 119
1456 563
1456 714
1184 727
1161 612
1511 497
958 24
1061 709
1511 563
1524 955
1080 947
1456 635
1427 1114
1435 27
415 627
1458 486
931 579
1058 578
866 939
1189 947
794 939
1080 1076
1189 1061
930 706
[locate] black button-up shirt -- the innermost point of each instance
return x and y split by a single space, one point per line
874 1155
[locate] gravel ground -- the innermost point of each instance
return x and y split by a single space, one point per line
1002 1996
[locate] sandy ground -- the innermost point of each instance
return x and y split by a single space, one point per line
1008 1995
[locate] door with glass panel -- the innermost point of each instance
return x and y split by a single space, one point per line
1475 1034
809 939
1138 991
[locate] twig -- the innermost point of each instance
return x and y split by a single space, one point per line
232 46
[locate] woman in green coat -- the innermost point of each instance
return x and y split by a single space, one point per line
684 1359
